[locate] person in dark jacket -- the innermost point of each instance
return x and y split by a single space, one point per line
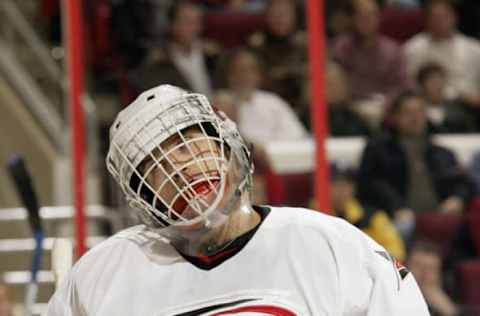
187 61
403 171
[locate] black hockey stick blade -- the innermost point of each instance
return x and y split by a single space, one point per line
23 182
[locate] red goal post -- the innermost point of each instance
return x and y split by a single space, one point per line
315 13
73 37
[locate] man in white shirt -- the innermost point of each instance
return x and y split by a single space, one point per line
204 249
262 116
458 54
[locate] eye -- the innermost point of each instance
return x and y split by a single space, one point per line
183 149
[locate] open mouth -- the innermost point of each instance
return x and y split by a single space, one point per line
202 191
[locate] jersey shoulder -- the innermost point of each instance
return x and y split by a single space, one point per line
306 218
357 256
345 239
135 242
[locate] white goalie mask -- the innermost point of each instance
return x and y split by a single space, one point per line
179 162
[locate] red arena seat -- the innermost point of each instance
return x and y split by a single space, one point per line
231 29
401 24
474 205
469 283
49 8
289 189
438 228
473 220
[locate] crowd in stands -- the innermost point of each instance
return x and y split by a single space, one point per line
397 72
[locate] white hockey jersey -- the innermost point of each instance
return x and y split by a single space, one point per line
298 262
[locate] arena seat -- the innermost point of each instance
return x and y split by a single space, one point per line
231 29
49 8
468 273
438 228
473 220
289 189
474 205
401 24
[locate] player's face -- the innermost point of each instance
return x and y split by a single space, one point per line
186 167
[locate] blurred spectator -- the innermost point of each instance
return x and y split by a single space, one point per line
343 121
6 304
224 101
444 115
338 17
375 63
186 61
282 50
425 263
159 16
458 54
403 172
262 116
373 222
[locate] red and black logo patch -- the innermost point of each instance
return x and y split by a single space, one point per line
241 307
402 270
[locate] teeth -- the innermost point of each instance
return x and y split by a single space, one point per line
197 200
